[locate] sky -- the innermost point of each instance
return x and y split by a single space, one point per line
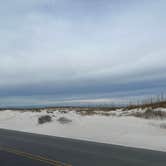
81 51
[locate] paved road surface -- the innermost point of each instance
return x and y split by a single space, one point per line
26 149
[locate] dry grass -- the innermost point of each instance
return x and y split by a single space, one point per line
150 114
161 104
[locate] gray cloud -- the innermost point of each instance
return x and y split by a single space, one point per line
61 46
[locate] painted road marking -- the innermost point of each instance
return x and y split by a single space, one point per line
33 157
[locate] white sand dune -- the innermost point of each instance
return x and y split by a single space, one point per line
121 130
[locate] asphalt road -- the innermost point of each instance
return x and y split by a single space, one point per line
26 149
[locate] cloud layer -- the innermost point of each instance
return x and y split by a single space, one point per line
78 47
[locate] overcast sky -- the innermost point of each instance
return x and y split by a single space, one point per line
67 50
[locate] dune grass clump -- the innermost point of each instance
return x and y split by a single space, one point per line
64 120
44 118
151 114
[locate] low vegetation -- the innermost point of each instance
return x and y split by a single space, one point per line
44 118
151 114
160 104
64 120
